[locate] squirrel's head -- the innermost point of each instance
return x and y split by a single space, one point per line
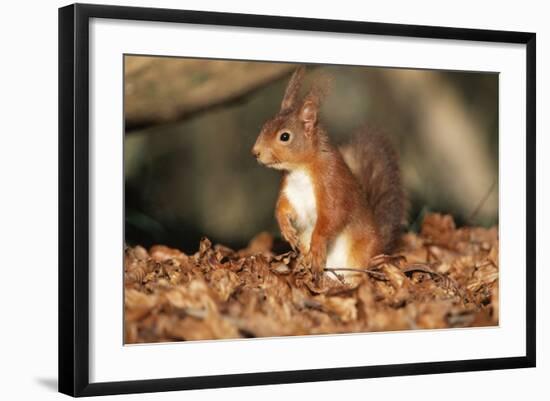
291 137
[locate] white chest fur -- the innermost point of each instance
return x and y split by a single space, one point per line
300 193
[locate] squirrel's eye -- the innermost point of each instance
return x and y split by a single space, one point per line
285 136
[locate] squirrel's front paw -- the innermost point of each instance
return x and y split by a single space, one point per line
291 236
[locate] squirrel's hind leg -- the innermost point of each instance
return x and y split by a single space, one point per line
346 253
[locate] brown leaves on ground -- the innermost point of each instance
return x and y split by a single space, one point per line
442 278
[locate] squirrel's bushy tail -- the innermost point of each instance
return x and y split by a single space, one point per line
374 162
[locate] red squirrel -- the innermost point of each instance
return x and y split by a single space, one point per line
337 207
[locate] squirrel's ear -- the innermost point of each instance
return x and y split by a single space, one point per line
308 116
293 88
309 112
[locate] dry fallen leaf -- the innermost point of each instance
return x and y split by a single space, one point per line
443 277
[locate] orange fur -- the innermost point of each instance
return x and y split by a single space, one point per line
294 141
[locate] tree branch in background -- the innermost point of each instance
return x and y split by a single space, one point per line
450 137
160 90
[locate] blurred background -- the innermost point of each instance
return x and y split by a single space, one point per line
190 125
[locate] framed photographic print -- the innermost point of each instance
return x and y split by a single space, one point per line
250 199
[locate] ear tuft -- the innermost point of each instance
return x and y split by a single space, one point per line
309 112
293 88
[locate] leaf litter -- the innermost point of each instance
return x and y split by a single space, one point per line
443 277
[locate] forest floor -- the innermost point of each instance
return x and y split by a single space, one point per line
442 277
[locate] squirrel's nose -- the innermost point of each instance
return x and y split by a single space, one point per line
256 152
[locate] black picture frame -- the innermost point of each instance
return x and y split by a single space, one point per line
74 198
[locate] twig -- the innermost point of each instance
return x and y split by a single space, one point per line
373 273
482 202
447 280
338 277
